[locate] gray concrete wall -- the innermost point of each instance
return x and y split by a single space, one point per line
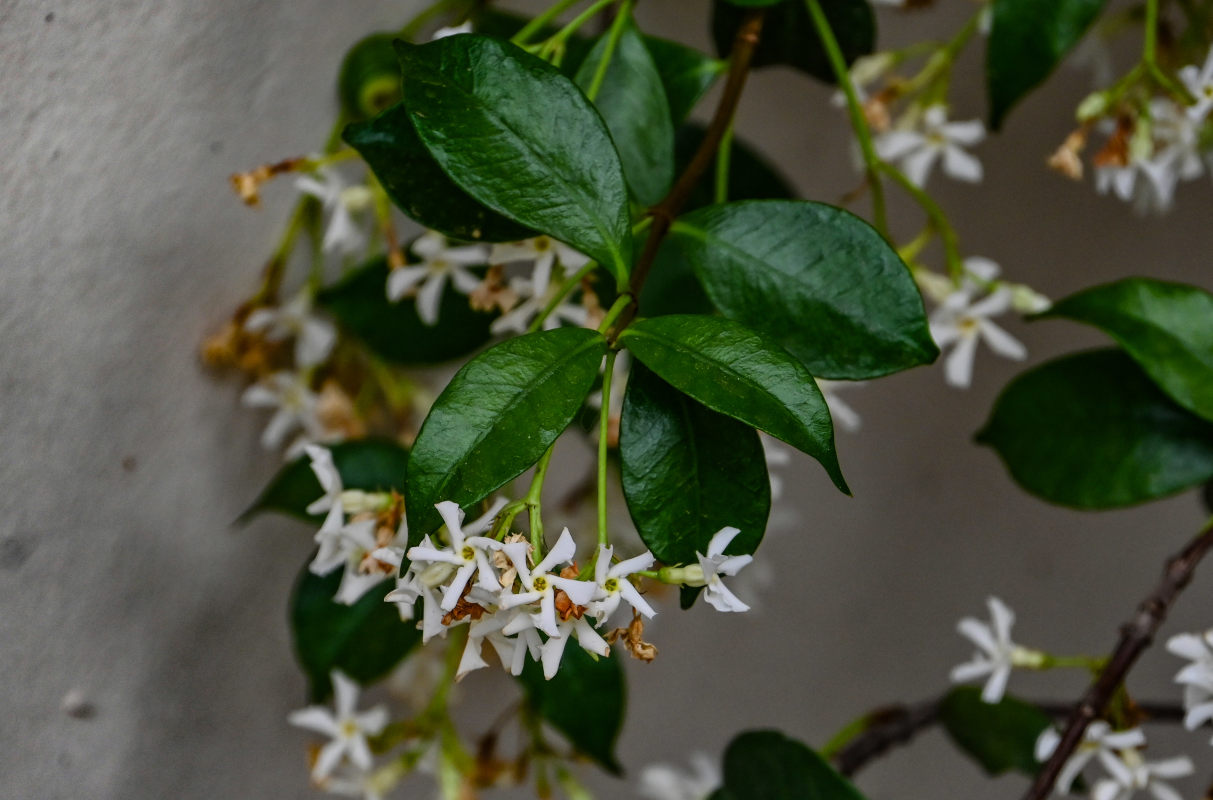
123 463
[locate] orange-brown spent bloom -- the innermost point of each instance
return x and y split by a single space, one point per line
464 609
1065 159
566 609
248 184
1115 152
633 639
493 292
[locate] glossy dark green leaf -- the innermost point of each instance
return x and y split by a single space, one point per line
365 640
633 104
741 373
419 187
496 417
585 701
789 38
818 279
688 471
394 331
686 74
766 765
1091 430
369 80
373 465
521 138
1166 327
1028 39
999 736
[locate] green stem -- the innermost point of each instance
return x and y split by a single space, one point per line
535 25
849 732
556 43
621 305
1150 48
534 512
855 110
939 220
608 51
724 156
604 424
565 290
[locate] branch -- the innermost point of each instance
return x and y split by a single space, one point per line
897 725
1135 636
671 206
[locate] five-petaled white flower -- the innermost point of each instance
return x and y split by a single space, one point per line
314 336
997 654
664 782
439 261
540 585
1197 677
577 628
1199 81
351 546
341 202
1132 772
961 322
290 394
917 151
347 728
539 289
330 481
714 565
467 554
614 586
1099 741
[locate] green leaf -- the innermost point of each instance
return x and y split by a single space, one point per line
686 74
365 640
672 287
369 80
688 471
496 417
1092 431
419 187
372 465
633 103
999 736
766 765
742 373
585 701
394 331
820 280
789 38
1028 38
522 139
1167 328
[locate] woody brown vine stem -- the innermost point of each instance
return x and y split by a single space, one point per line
898 724
1135 636
664 213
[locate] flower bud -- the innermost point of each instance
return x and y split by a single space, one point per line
691 575
1092 107
356 501
1027 300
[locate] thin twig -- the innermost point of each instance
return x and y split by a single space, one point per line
1135 636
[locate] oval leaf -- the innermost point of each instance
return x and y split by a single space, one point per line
394 331
585 701
521 138
1028 38
419 187
789 38
1166 327
632 101
496 417
766 765
372 465
365 640
742 373
820 280
688 471
999 736
1092 431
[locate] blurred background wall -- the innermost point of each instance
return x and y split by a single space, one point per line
123 464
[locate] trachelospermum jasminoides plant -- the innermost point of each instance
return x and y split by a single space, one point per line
599 267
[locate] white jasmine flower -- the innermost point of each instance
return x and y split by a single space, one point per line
540 585
960 322
544 251
488 629
1099 741
295 404
468 554
996 655
351 546
439 261
614 585
1199 81
330 481
314 336
847 418
1133 773
664 782
917 151
453 30
1197 677
575 628
340 202
539 289
347 728
715 564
